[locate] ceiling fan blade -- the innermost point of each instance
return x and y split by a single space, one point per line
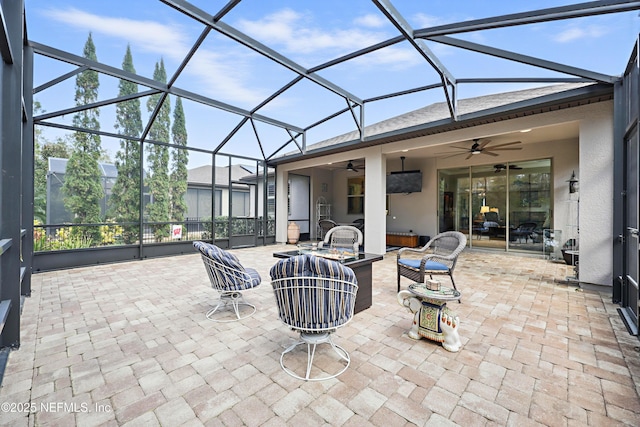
504 149
461 148
483 144
505 144
489 153
468 156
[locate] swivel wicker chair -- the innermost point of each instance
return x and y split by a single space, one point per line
315 296
229 278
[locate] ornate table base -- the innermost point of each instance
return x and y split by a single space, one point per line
432 318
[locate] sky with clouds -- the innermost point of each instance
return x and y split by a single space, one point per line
311 33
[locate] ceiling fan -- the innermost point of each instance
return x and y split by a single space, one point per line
482 147
353 168
500 167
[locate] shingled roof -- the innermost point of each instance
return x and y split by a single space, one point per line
435 118
202 174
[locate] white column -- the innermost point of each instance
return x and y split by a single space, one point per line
375 224
282 177
596 198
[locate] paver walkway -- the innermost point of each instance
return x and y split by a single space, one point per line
129 344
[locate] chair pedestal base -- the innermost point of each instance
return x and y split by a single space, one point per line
236 300
312 340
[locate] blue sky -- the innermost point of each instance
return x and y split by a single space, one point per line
310 33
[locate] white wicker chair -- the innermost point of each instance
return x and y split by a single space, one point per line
229 278
343 236
315 296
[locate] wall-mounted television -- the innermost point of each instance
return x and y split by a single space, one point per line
404 182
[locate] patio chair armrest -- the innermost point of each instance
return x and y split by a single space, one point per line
411 250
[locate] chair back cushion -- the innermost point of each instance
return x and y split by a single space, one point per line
224 269
313 293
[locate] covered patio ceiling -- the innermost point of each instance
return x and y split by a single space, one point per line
259 80
564 131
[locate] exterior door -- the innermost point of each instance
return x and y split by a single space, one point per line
631 301
626 249
299 203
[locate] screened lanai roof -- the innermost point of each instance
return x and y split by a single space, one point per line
258 79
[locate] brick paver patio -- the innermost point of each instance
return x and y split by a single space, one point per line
129 344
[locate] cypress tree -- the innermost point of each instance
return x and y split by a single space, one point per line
43 149
125 198
158 159
178 179
82 184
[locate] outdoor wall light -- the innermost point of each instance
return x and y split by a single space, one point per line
573 183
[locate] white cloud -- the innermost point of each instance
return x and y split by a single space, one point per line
422 20
579 33
394 57
215 74
296 34
370 20
148 35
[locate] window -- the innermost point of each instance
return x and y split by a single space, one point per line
218 201
271 199
198 203
355 195
241 203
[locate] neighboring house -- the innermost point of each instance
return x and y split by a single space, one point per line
198 191
562 129
56 211
255 182
199 197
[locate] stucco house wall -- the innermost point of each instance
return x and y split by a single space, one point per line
589 153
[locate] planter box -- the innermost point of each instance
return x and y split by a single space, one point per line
406 240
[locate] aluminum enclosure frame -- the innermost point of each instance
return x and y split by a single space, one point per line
16 126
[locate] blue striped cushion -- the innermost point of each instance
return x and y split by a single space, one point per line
306 304
322 267
233 277
255 277
211 250
290 267
429 266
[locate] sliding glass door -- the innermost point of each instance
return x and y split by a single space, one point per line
488 204
530 204
503 206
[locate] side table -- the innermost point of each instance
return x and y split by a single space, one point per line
432 318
